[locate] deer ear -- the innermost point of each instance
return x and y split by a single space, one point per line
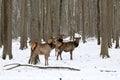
49 41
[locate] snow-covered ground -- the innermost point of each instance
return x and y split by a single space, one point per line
86 58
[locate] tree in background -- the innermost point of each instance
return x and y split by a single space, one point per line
34 21
23 36
98 22
7 35
43 19
117 23
1 22
83 22
104 28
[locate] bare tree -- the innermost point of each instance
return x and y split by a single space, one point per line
7 36
47 32
117 23
98 22
34 23
56 6
0 24
83 21
104 29
16 18
23 38
109 22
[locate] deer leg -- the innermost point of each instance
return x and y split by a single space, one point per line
59 54
46 60
30 58
37 59
56 51
71 55
33 58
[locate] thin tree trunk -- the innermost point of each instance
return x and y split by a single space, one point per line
83 27
117 16
23 40
0 25
98 23
109 24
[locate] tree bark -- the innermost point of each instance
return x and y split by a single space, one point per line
0 24
117 25
34 26
98 22
7 49
23 38
83 26
104 45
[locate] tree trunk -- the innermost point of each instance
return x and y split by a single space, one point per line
56 7
83 26
34 26
104 45
23 39
7 50
98 22
0 25
41 18
47 20
117 25
109 10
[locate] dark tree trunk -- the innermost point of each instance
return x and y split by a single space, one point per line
2 23
117 39
7 50
117 23
83 27
23 40
98 23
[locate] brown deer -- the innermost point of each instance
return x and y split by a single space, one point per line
33 46
41 49
67 47
58 41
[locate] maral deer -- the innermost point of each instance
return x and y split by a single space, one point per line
41 49
67 47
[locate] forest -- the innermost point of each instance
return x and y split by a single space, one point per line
44 19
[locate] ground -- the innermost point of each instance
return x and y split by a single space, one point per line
86 57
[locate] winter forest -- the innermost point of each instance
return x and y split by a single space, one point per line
41 20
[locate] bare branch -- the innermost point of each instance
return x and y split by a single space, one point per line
39 67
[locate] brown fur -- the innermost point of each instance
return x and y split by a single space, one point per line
58 43
33 45
41 49
68 47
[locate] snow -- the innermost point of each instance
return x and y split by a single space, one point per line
86 57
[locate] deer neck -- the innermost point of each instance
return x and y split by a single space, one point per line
51 45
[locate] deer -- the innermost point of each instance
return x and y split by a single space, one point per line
67 47
41 49
58 41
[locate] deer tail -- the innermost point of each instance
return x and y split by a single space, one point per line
33 45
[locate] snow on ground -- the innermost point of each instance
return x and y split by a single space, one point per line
86 58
